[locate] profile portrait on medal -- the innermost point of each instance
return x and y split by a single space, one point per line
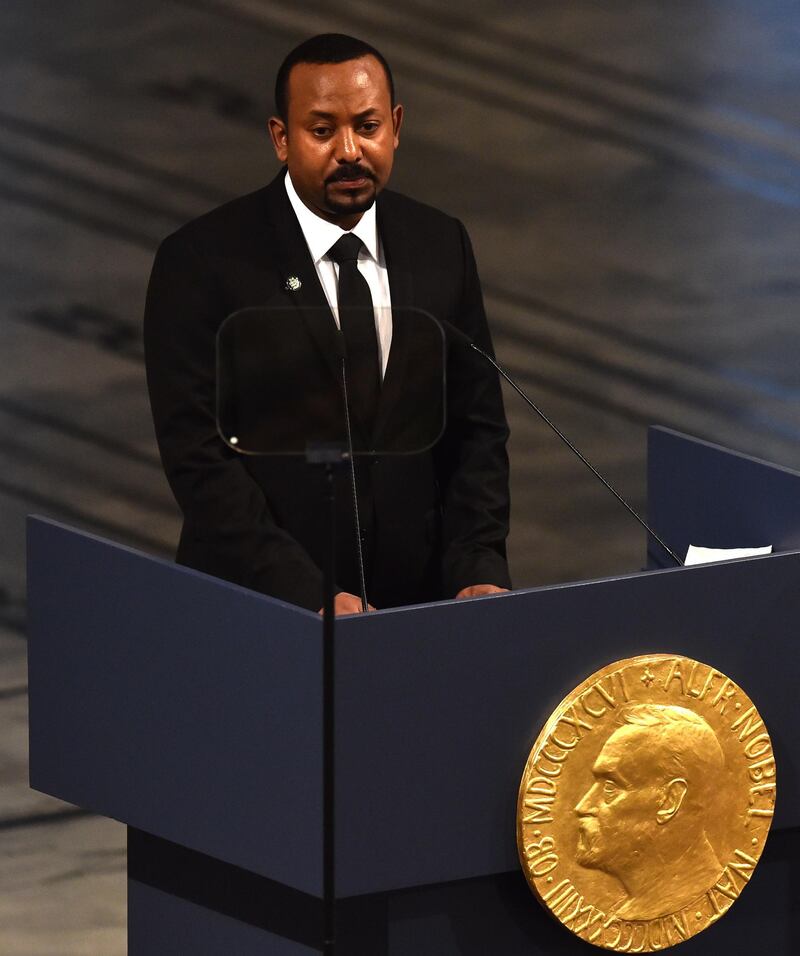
644 819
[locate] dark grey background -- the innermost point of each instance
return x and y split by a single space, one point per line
629 173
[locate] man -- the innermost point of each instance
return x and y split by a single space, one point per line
643 821
435 523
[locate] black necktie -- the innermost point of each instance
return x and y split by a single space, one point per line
357 321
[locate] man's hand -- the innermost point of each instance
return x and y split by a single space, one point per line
479 590
345 603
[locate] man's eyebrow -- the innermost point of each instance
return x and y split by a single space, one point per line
321 114
606 772
603 768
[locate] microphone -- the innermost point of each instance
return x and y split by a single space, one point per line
341 354
458 336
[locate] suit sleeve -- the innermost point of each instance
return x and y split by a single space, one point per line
229 529
472 457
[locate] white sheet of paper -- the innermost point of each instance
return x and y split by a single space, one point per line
697 555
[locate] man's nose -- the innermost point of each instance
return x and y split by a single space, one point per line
586 807
348 146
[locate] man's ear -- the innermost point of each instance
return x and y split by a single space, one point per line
397 122
280 137
674 792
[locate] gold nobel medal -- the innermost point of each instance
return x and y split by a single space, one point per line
646 802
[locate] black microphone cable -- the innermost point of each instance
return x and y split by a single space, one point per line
353 485
460 336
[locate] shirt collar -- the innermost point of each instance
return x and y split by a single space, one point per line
320 234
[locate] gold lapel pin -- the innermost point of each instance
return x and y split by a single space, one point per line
293 284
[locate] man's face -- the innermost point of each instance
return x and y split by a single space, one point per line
618 814
339 137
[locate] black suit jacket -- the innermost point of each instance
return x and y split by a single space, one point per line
433 522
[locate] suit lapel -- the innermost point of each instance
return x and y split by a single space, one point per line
397 252
293 261
300 285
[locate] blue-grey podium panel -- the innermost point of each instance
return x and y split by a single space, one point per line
703 494
182 705
438 706
190 708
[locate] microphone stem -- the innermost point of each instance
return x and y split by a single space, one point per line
354 492
572 448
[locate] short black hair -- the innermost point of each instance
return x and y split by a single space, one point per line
324 48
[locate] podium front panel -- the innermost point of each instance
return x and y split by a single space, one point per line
177 703
438 706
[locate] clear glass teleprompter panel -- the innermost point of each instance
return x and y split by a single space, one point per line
280 377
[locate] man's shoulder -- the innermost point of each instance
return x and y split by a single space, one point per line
222 223
391 203
236 226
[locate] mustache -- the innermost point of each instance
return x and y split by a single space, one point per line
350 171
587 834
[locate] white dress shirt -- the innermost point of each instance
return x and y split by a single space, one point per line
320 235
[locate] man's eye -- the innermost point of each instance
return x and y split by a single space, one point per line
320 131
610 788
369 127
